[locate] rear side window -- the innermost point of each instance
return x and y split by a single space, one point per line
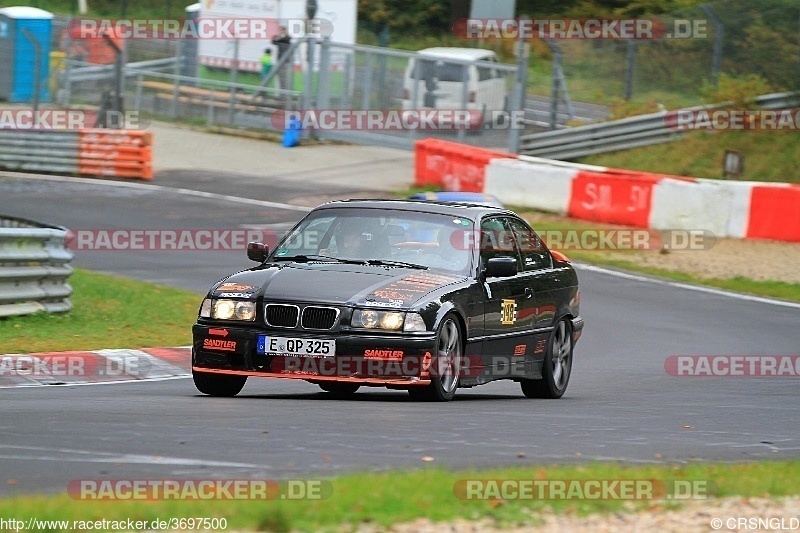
534 253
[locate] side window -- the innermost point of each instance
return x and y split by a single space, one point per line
485 73
497 240
534 253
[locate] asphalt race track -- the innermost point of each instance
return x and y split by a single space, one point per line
621 404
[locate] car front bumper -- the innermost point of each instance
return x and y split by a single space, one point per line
367 359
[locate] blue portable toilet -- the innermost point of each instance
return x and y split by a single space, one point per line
18 54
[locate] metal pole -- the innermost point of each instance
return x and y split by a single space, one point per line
323 85
520 92
309 80
383 41
367 85
415 92
461 133
176 89
555 87
117 76
630 56
719 41
138 98
234 74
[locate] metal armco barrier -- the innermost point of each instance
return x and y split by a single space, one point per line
34 267
631 132
88 152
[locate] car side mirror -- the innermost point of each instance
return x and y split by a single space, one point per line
501 267
257 251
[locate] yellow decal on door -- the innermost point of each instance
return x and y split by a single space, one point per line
508 312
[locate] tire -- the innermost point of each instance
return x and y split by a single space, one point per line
445 365
218 385
340 389
556 368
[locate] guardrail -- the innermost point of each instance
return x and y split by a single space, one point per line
34 267
89 152
78 71
625 133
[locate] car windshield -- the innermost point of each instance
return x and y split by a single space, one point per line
381 238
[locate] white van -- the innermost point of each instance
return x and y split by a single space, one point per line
441 83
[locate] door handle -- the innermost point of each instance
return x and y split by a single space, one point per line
528 293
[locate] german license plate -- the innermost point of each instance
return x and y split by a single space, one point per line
295 347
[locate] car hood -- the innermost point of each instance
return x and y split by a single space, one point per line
336 284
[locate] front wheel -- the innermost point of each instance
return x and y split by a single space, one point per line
445 365
218 384
556 368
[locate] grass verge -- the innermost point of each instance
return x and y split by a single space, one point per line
108 312
768 155
382 499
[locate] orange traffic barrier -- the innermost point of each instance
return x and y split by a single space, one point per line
453 166
775 212
116 153
614 196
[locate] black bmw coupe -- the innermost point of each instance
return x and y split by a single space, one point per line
413 295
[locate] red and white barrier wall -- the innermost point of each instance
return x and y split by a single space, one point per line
640 199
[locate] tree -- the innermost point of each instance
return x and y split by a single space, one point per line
405 15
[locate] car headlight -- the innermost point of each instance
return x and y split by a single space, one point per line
230 310
205 308
372 319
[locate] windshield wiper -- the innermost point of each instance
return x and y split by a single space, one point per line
381 262
307 258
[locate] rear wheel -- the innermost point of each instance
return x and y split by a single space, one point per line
445 365
218 384
343 389
556 368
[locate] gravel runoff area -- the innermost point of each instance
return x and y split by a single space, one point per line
720 514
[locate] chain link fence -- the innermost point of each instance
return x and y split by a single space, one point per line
737 38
